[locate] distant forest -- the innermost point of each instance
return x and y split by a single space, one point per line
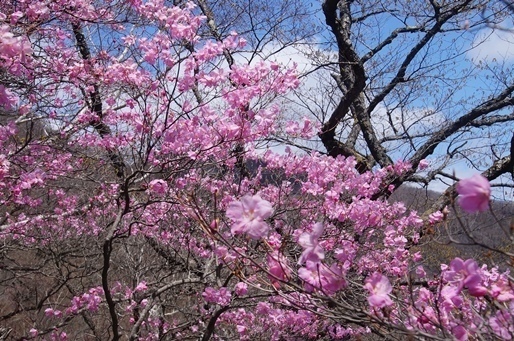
462 235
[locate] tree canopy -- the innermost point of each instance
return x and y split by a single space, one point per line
217 169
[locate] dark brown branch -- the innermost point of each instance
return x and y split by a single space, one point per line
119 167
107 249
144 314
501 101
212 323
399 77
366 16
498 168
490 120
96 105
389 40
354 81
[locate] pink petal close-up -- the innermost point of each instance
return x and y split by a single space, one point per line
474 193
379 287
249 214
309 241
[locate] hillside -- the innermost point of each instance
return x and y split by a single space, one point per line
463 235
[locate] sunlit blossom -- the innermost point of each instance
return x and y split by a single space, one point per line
309 241
248 215
465 274
158 187
379 287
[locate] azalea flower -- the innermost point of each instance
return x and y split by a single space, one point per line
309 241
423 164
501 324
248 216
141 286
379 287
465 274
474 193
158 187
241 289
435 217
319 276
502 291
221 296
278 268
460 333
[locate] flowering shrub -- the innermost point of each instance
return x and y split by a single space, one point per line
148 168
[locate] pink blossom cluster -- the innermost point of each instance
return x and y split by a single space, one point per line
158 187
90 300
222 296
461 298
14 52
464 274
312 252
278 268
379 288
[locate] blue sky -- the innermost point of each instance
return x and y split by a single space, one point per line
476 70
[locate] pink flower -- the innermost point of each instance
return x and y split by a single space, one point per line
309 241
502 291
210 295
501 324
141 287
420 271
221 297
435 217
241 289
52 312
249 214
319 276
28 180
451 296
241 329
400 167
7 99
49 312
423 164
158 187
474 193
465 274
11 46
379 288
278 268
460 333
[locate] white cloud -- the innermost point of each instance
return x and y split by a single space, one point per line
492 45
413 121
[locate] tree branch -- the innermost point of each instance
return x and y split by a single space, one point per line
399 77
501 101
95 105
498 168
